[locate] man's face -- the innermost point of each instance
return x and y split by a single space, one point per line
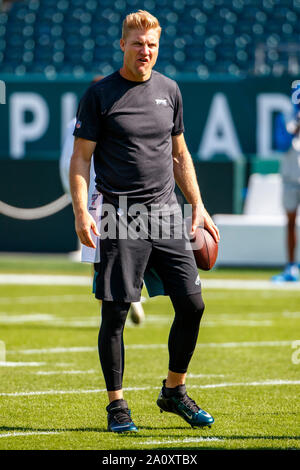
140 53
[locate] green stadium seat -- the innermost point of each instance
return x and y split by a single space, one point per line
222 34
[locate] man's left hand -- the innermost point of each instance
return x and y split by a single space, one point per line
200 217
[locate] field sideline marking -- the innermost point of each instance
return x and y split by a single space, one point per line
29 433
2 351
182 441
149 442
248 284
57 350
94 322
75 280
25 318
66 372
45 279
241 344
46 299
21 364
129 389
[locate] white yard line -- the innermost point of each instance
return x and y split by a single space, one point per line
291 314
238 344
224 284
45 279
213 321
6 318
249 384
58 350
245 344
2 351
46 299
219 385
198 376
250 323
53 392
148 442
90 322
29 433
49 319
66 372
186 440
21 364
76 323
248 284
80 349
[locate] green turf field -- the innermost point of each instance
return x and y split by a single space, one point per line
245 371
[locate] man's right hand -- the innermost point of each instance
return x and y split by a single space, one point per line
84 224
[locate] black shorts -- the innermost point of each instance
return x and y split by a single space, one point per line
163 246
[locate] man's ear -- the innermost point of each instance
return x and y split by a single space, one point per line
122 44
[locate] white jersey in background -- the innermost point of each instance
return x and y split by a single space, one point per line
88 255
290 164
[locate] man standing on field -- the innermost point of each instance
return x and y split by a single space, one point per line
132 121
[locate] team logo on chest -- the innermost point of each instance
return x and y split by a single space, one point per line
161 102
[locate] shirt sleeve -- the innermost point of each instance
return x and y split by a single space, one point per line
178 127
88 116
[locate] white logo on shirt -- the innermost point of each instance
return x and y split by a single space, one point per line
160 101
198 282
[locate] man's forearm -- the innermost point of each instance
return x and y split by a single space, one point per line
185 177
79 183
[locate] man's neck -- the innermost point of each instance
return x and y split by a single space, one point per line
132 78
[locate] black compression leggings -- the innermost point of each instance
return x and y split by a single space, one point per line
110 342
182 339
184 330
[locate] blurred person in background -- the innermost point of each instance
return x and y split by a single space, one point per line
290 173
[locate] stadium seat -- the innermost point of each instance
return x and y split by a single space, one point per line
238 24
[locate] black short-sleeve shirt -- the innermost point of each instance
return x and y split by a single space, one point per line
132 124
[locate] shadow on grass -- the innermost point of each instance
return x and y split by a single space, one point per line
141 428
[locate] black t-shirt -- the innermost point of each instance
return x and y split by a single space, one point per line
132 124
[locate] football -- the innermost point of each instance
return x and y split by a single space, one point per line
205 248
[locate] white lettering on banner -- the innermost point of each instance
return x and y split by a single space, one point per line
267 104
2 92
296 93
22 131
68 111
219 136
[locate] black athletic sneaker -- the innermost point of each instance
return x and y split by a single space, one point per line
119 417
175 400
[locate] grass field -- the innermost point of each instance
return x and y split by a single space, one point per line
244 370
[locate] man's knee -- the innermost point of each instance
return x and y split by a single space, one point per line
114 313
197 304
189 305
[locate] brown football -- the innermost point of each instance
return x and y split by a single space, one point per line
205 249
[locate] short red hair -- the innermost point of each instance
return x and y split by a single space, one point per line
140 20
